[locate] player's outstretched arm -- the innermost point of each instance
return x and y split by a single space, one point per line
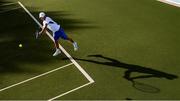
43 29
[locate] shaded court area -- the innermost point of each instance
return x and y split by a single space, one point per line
31 67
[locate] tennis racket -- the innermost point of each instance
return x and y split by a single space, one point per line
37 33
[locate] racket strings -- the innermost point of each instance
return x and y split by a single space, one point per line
145 87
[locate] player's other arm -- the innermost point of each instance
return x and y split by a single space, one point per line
43 29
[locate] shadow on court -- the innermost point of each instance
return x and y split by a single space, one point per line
130 68
17 27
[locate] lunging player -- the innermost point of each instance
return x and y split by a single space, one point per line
57 31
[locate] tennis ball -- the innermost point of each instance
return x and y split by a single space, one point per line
20 45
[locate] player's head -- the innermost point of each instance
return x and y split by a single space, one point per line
42 15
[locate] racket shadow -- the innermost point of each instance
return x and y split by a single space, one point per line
145 87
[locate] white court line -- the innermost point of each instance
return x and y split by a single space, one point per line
70 91
170 2
46 73
67 54
62 49
173 2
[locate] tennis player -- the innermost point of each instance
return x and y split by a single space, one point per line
57 31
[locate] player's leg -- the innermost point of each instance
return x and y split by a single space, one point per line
65 37
73 42
56 44
70 39
56 37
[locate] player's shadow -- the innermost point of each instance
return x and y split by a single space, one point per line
18 27
130 68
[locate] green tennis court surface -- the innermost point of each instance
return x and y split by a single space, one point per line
129 48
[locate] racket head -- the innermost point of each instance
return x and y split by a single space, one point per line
36 34
145 87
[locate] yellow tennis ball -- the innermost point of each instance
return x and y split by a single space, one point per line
20 45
